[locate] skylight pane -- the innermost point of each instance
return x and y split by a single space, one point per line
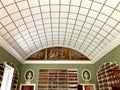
83 11
118 8
26 13
73 16
19 22
3 13
36 38
100 37
90 20
102 17
54 8
103 33
14 32
98 23
93 14
110 38
28 39
35 10
18 38
65 2
10 27
118 27
45 8
33 3
44 2
33 33
37 17
7 2
6 20
107 10
64 15
16 16
116 15
81 18
3 31
112 3
21 28
12 8
115 33
27 36
28 19
107 28
76 2
64 8
55 14
11 41
111 22
96 6
74 9
29 25
101 1
86 3
25 32
22 5
87 25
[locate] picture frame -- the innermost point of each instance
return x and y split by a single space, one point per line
86 75
29 75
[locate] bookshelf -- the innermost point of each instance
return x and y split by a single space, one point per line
58 79
1 72
15 74
106 78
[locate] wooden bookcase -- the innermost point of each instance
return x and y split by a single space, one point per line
15 74
58 79
106 78
1 72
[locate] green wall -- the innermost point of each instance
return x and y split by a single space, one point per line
36 68
5 56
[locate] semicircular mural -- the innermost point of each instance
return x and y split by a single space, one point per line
57 53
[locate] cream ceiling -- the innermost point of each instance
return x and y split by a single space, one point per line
89 26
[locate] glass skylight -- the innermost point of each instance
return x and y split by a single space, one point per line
88 26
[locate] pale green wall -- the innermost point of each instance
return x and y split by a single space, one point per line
36 68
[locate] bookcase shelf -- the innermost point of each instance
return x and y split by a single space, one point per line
58 79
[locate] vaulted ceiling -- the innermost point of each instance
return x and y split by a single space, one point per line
91 27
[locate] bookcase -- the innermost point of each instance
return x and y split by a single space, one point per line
1 72
15 74
106 78
58 79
